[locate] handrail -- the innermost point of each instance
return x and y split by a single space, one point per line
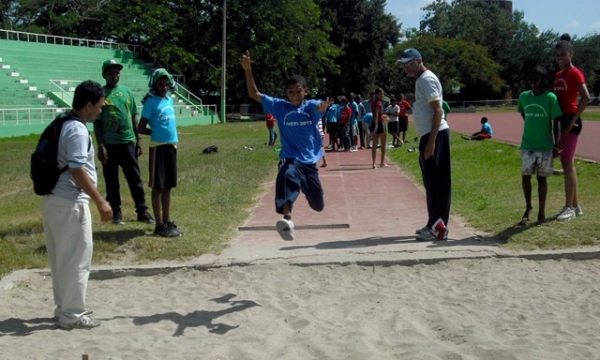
43 115
64 40
187 95
57 83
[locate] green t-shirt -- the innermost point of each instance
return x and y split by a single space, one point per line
446 109
539 111
117 114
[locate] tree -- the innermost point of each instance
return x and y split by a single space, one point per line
460 65
587 58
364 33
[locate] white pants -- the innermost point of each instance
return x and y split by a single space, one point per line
68 235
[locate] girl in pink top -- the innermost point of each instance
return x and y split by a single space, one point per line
569 84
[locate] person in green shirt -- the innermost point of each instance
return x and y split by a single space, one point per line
119 144
446 109
539 108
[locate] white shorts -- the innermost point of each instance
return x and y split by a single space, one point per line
536 162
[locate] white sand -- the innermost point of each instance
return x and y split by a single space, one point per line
463 309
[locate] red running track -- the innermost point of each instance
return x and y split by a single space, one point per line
508 127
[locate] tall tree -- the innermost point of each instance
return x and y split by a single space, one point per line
463 67
364 32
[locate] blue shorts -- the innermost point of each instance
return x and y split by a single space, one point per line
294 177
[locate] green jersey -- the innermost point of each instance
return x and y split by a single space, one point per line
117 114
538 111
446 109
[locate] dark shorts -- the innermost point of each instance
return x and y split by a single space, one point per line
402 123
333 128
565 119
380 128
294 178
393 127
163 167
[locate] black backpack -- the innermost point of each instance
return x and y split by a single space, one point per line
213 149
44 169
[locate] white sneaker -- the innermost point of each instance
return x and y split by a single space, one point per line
85 322
285 228
566 214
578 211
421 230
57 313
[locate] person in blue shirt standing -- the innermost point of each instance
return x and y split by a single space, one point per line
363 130
301 145
159 114
332 125
354 122
367 120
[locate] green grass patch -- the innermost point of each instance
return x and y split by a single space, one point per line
487 195
217 192
214 196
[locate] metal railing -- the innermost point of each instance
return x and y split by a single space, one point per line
63 40
187 95
44 115
63 88
28 116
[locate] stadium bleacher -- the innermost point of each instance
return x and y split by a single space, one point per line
37 81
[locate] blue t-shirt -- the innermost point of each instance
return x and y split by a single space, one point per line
160 113
298 129
487 128
353 117
361 111
368 118
331 114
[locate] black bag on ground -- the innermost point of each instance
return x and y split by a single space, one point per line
213 149
44 171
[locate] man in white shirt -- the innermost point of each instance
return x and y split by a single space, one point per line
434 146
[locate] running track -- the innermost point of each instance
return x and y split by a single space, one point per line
508 127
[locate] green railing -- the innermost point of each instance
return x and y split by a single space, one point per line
63 40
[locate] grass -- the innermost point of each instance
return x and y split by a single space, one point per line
214 196
487 195
217 192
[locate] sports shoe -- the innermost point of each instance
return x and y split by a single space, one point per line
578 211
566 214
168 229
57 313
423 229
285 228
161 230
426 235
173 230
85 322
118 219
146 218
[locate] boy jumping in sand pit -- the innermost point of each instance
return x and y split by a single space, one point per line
301 145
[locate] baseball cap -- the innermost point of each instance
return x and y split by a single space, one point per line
109 63
408 55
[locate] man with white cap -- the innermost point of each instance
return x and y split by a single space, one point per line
434 146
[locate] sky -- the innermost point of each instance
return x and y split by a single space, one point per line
581 20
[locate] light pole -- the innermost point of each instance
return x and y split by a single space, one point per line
223 61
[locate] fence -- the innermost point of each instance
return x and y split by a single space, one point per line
63 40
44 115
